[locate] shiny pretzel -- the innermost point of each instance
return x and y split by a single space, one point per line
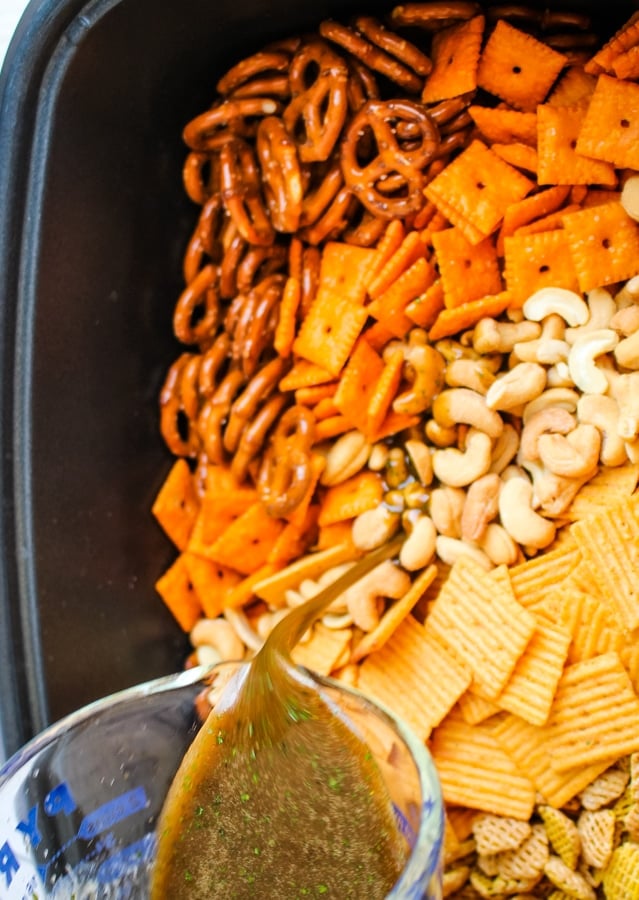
317 111
259 65
241 193
378 121
215 127
434 16
285 473
197 310
281 175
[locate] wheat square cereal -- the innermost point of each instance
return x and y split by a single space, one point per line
610 130
604 244
477 187
562 834
476 772
531 688
621 879
468 271
528 746
559 162
517 67
609 544
455 54
595 714
482 624
535 261
414 675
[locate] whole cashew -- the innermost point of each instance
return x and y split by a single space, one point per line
625 389
490 336
627 352
220 635
581 361
446 507
505 449
602 308
516 387
565 398
385 580
552 419
346 457
475 374
419 547
458 468
374 527
481 506
419 455
626 320
603 412
552 494
522 523
567 304
573 456
498 545
440 436
461 405
449 550
426 366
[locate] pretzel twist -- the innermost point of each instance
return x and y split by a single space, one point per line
281 174
380 119
259 64
362 85
257 264
254 323
317 111
254 435
395 45
215 127
318 199
176 426
434 15
201 176
241 193
247 403
206 240
285 474
214 413
334 220
197 310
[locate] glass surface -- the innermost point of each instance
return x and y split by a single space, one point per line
79 803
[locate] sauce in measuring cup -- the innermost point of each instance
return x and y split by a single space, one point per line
278 796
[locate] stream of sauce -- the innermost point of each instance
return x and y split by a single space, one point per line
278 796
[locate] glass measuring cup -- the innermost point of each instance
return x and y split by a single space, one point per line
79 803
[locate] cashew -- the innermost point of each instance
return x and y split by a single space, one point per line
573 456
458 468
385 580
378 457
481 506
552 494
268 620
628 293
440 436
451 350
498 545
461 405
520 385
562 397
564 303
626 320
242 627
581 361
475 374
335 622
602 308
522 523
630 197
558 376
554 419
426 367
626 392
505 449
220 635
490 336
419 455
544 350
419 547
627 352
446 507
374 527
346 457
449 550
603 412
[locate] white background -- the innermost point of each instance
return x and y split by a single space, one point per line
10 12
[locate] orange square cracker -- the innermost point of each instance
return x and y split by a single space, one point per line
517 67
604 244
468 271
455 55
534 261
610 130
559 162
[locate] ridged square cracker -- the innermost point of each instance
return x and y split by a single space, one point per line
325 651
527 745
531 688
535 261
482 625
531 580
468 271
517 67
476 188
414 675
609 544
608 486
475 709
591 623
559 162
455 54
595 714
604 244
610 130
476 772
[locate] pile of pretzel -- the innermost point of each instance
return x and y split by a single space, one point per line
311 139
